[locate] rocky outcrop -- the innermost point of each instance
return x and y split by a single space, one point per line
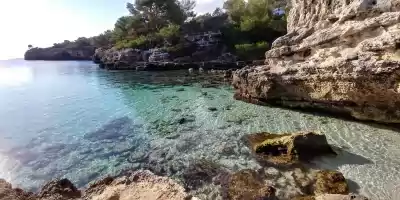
114 58
287 149
54 53
140 185
338 56
9 193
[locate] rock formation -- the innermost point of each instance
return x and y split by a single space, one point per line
287 149
53 53
141 185
340 56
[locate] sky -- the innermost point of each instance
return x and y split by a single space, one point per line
44 22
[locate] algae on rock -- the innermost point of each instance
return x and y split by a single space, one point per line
288 149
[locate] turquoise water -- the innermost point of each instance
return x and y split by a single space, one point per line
71 119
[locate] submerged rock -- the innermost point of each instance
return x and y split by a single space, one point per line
338 56
288 149
246 184
331 182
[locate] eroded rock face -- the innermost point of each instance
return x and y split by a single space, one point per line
137 185
287 149
338 56
7 192
114 58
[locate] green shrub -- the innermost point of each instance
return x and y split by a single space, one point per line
169 31
251 51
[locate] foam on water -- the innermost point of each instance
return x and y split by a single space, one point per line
73 120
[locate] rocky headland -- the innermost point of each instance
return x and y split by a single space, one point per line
60 53
338 56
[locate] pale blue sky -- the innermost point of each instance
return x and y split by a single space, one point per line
44 22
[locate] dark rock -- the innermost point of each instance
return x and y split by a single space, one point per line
180 90
53 53
331 182
199 173
288 149
246 184
59 189
113 130
213 109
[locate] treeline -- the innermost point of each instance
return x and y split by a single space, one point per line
248 26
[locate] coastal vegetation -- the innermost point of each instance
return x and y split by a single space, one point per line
247 27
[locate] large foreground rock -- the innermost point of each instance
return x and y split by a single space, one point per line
287 149
338 56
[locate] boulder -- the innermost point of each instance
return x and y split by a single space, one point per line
141 185
59 189
246 184
341 57
287 149
330 182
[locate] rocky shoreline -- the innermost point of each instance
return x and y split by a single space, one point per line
342 58
247 184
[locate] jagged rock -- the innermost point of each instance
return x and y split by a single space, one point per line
331 182
54 53
9 193
246 184
141 185
338 56
116 59
59 189
287 149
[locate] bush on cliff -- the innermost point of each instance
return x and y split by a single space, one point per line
251 51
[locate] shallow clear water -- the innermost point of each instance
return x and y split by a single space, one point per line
71 119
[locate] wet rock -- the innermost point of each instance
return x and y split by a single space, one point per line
9 193
246 184
180 90
331 182
59 189
287 149
213 109
199 173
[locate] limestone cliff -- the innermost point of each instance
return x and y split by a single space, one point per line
340 56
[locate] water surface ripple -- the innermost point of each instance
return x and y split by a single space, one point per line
70 119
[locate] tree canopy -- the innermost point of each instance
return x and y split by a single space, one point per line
246 25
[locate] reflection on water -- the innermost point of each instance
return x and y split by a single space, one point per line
76 121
